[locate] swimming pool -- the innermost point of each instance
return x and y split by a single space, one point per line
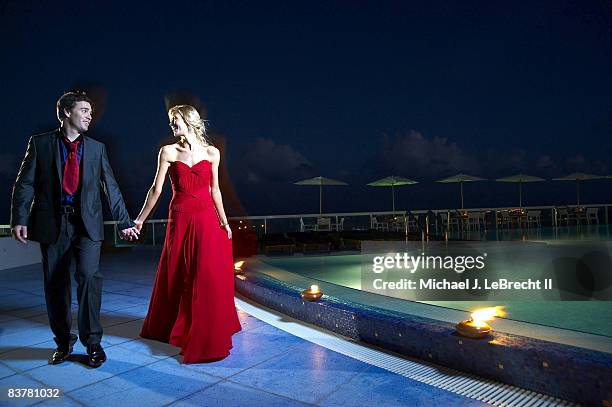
591 317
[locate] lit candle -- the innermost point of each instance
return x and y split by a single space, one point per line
476 326
238 267
313 294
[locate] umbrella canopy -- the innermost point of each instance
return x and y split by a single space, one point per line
520 178
392 182
578 176
320 181
461 178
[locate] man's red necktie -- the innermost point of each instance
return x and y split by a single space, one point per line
70 182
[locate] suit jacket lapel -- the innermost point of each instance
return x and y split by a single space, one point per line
84 162
56 155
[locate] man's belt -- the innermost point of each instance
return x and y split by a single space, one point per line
64 209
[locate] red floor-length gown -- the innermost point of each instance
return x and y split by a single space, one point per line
192 304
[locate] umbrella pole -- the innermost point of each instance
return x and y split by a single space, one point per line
393 198
461 194
320 200
520 194
578 192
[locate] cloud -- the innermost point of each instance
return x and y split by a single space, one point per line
545 162
575 162
413 154
268 161
578 162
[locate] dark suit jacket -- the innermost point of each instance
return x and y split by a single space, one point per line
37 191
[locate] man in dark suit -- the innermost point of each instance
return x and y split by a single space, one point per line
56 202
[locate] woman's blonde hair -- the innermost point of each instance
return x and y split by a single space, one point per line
192 119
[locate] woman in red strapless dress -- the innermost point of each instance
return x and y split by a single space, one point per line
192 304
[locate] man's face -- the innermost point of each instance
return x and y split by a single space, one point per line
79 117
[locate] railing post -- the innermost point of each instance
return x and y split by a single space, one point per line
436 218
153 233
423 240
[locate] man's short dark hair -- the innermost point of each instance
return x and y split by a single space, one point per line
68 100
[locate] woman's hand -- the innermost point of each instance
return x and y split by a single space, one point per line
229 231
139 224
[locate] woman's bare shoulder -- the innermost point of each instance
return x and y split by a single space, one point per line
213 153
169 151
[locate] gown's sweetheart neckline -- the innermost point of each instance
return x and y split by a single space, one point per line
191 166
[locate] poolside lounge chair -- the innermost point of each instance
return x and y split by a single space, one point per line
323 224
398 223
305 227
504 218
580 215
475 220
411 222
563 215
339 226
454 221
533 218
592 215
378 225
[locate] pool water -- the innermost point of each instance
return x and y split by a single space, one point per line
345 270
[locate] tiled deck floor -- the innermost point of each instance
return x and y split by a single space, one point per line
267 366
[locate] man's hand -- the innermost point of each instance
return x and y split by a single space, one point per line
20 233
130 234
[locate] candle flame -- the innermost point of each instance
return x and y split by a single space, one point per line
314 288
238 265
480 316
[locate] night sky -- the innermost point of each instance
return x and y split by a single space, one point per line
351 90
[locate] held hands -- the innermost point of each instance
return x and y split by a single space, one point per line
130 234
20 233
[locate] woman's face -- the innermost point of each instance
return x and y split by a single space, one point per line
178 126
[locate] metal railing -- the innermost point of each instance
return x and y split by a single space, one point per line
424 222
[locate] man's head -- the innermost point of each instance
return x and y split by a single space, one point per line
74 110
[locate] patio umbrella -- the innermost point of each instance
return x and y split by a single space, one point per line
578 176
520 178
392 182
461 178
320 181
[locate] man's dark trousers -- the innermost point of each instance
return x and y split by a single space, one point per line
73 240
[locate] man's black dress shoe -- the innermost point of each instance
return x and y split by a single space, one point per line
96 355
63 351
